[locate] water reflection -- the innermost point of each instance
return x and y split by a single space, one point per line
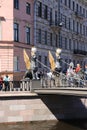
47 125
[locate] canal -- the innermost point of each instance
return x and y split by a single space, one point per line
47 125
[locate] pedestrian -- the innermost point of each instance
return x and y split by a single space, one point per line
78 68
86 71
1 83
6 80
70 74
70 71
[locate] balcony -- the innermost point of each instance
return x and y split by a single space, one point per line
55 26
79 14
81 52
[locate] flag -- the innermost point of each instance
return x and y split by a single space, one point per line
52 62
26 59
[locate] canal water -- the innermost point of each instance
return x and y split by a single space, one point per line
47 125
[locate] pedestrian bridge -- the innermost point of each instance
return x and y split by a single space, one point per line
49 86
60 90
63 91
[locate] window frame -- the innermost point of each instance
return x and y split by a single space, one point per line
28 35
16 4
28 8
16 32
39 9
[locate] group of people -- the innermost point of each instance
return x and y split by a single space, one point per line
78 70
77 73
4 83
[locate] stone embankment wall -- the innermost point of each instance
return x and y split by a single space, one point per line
41 107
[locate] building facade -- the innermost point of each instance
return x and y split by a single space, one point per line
16 34
73 34
46 29
61 23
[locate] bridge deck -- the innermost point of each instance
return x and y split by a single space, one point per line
62 91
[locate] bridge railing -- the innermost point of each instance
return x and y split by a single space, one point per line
23 85
45 82
64 81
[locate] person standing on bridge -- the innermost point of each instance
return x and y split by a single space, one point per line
6 80
86 71
78 68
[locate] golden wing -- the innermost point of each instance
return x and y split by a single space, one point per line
26 59
52 62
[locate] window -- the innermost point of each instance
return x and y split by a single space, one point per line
28 35
74 25
45 60
16 60
39 9
61 1
77 7
51 38
69 44
65 43
83 12
28 8
65 2
69 3
16 32
73 5
50 16
84 30
56 40
74 44
86 13
78 45
80 10
77 27
69 24
60 41
39 35
45 12
46 37
39 64
80 28
56 21
16 4
65 23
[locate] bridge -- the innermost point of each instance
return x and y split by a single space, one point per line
60 90
49 86
32 100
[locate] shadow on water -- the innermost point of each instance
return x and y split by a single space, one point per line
45 125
